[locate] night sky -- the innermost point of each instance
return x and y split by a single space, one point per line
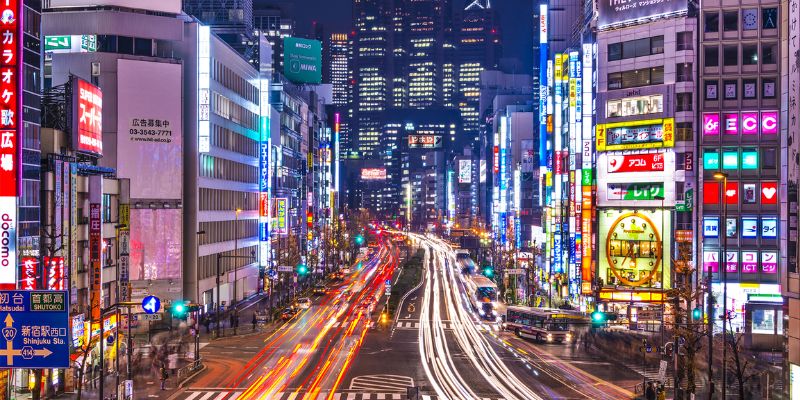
335 15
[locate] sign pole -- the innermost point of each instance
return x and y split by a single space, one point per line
130 343
102 356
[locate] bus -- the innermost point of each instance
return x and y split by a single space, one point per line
543 324
482 295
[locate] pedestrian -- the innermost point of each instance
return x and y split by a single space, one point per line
173 362
98 374
163 375
662 392
233 319
650 392
254 322
90 376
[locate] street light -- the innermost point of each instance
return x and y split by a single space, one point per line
722 176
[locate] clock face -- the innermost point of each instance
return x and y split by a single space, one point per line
634 250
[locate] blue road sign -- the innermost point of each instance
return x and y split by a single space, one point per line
151 304
272 274
35 329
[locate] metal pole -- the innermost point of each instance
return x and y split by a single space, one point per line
219 256
725 287
102 355
130 344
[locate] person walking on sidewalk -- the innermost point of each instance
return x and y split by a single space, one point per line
255 321
650 392
164 375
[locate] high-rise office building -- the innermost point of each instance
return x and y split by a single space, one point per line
339 73
373 52
477 47
231 21
272 22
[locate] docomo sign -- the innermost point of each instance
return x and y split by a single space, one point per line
8 243
373 174
749 122
652 162
88 117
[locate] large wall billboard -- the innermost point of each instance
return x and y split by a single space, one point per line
167 6
149 123
617 12
302 60
155 244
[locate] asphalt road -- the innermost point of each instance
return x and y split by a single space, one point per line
475 356
306 357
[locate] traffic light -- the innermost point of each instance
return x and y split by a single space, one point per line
697 313
488 271
359 239
598 318
179 309
302 270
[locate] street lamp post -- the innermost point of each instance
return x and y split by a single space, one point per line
724 178
197 298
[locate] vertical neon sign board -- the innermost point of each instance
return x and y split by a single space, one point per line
203 89
544 89
10 105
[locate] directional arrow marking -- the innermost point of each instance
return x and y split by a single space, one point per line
26 352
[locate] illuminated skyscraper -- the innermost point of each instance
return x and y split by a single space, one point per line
477 45
339 73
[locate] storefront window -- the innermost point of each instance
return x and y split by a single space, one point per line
766 322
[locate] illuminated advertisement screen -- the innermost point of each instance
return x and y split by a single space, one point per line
373 174
769 262
656 133
464 171
87 119
156 244
70 44
632 106
632 248
749 159
749 227
424 141
302 60
710 261
612 12
769 227
730 160
711 160
710 227
749 262
769 193
10 114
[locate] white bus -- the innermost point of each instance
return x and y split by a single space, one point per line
483 295
543 324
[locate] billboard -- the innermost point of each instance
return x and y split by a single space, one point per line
87 117
424 141
645 134
302 60
70 44
633 245
149 119
618 12
155 244
464 171
373 174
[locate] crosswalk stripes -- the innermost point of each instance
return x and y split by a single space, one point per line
381 383
349 395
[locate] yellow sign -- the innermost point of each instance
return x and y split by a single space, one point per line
631 135
559 67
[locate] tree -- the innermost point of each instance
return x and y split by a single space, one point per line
741 367
691 331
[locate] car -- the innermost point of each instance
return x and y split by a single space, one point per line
320 290
288 312
304 302
346 270
337 276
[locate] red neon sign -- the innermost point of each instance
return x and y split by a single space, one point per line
54 273
28 277
88 117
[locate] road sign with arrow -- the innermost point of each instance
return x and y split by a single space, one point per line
35 329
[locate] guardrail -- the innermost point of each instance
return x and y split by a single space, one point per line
188 370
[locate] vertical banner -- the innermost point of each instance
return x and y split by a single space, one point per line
73 233
124 237
28 273
53 273
57 206
10 102
95 245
